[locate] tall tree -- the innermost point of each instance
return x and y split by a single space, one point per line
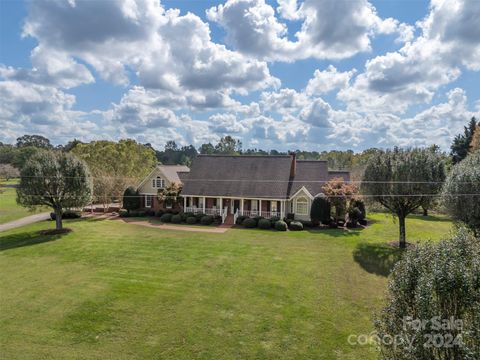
461 192
475 143
461 143
207 149
403 180
38 141
55 179
338 192
115 166
228 145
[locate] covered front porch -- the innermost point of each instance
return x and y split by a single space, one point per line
225 206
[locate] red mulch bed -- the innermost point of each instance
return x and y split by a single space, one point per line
55 231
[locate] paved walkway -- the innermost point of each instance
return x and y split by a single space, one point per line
214 230
24 221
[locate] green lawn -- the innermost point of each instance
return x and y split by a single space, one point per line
115 290
9 209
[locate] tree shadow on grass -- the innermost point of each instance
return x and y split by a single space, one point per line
377 258
25 239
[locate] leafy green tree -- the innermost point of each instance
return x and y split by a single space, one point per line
461 192
37 141
55 179
23 154
207 149
433 284
115 166
7 153
320 210
403 180
131 199
461 143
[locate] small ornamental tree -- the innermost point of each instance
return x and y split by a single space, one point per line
131 199
320 210
433 302
170 194
403 180
54 179
338 192
461 192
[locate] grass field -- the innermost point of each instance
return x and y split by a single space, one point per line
9 209
111 290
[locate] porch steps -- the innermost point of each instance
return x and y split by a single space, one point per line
229 220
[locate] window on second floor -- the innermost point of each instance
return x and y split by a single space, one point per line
158 183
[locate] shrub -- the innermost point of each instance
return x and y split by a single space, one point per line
176 219
354 215
166 218
257 219
191 220
159 213
189 214
434 280
240 219
290 216
67 214
217 219
281 225
307 223
363 222
296 226
264 224
360 205
150 212
131 199
121 213
249 223
184 217
199 216
206 220
138 213
320 210
273 220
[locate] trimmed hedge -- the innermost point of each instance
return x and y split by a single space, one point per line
264 224
191 220
159 213
206 220
281 225
249 223
176 219
166 218
240 219
296 226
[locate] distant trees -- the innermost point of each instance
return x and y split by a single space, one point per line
228 146
37 141
402 180
8 172
461 192
431 286
173 154
115 166
55 179
461 144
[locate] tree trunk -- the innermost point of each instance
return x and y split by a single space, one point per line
403 235
425 211
58 219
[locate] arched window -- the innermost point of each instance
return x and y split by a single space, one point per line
302 206
158 183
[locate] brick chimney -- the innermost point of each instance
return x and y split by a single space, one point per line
293 167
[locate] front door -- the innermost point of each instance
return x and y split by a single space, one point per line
236 205
227 204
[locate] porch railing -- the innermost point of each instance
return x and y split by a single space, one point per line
224 214
235 216
208 211
265 214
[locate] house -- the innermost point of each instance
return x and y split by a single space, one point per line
268 186
160 178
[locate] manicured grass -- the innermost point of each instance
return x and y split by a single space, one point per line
116 290
9 209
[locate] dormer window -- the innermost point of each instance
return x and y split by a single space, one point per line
158 183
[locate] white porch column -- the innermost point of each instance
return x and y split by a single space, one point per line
282 209
184 203
241 207
260 208
204 201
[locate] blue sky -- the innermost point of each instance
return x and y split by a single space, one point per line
312 74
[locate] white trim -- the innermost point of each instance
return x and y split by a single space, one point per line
296 212
304 189
234 197
157 168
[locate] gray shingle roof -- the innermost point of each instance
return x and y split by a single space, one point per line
174 172
255 176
